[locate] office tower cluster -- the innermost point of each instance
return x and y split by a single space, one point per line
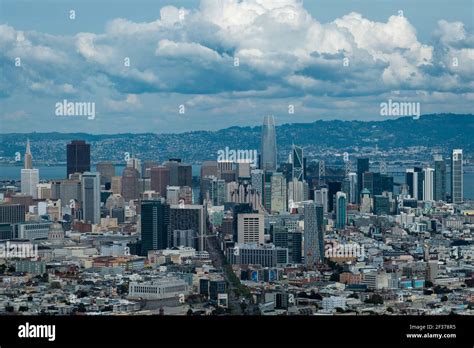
296 222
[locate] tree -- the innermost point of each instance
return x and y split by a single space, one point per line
444 298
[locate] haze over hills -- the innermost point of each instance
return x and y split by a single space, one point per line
443 132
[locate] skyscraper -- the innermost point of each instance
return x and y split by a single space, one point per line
136 163
440 180
457 176
208 169
278 193
268 145
313 234
160 178
29 180
91 197
414 180
321 197
297 163
190 218
362 167
250 228
29 176
352 177
130 178
107 171
147 165
428 185
78 157
155 225
341 210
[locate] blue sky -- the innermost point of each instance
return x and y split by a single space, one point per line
184 53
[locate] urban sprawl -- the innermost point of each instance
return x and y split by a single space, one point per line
249 236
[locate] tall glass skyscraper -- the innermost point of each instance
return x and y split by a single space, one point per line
341 210
313 234
297 163
91 197
268 160
456 176
78 157
155 221
440 180
362 167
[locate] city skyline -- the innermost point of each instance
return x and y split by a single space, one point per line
290 164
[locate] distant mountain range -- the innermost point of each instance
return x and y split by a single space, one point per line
443 132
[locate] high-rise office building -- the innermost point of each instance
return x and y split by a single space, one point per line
130 188
268 150
257 179
135 163
107 171
70 192
291 240
208 169
242 170
278 193
333 188
116 185
226 171
218 191
297 171
189 218
457 176
180 173
440 179
147 165
321 197
373 183
313 234
352 178
428 184
297 190
12 213
29 176
341 210
91 197
78 157
29 182
155 225
381 205
160 179
414 180
250 228
185 175
362 167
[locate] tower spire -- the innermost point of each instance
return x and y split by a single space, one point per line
28 156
